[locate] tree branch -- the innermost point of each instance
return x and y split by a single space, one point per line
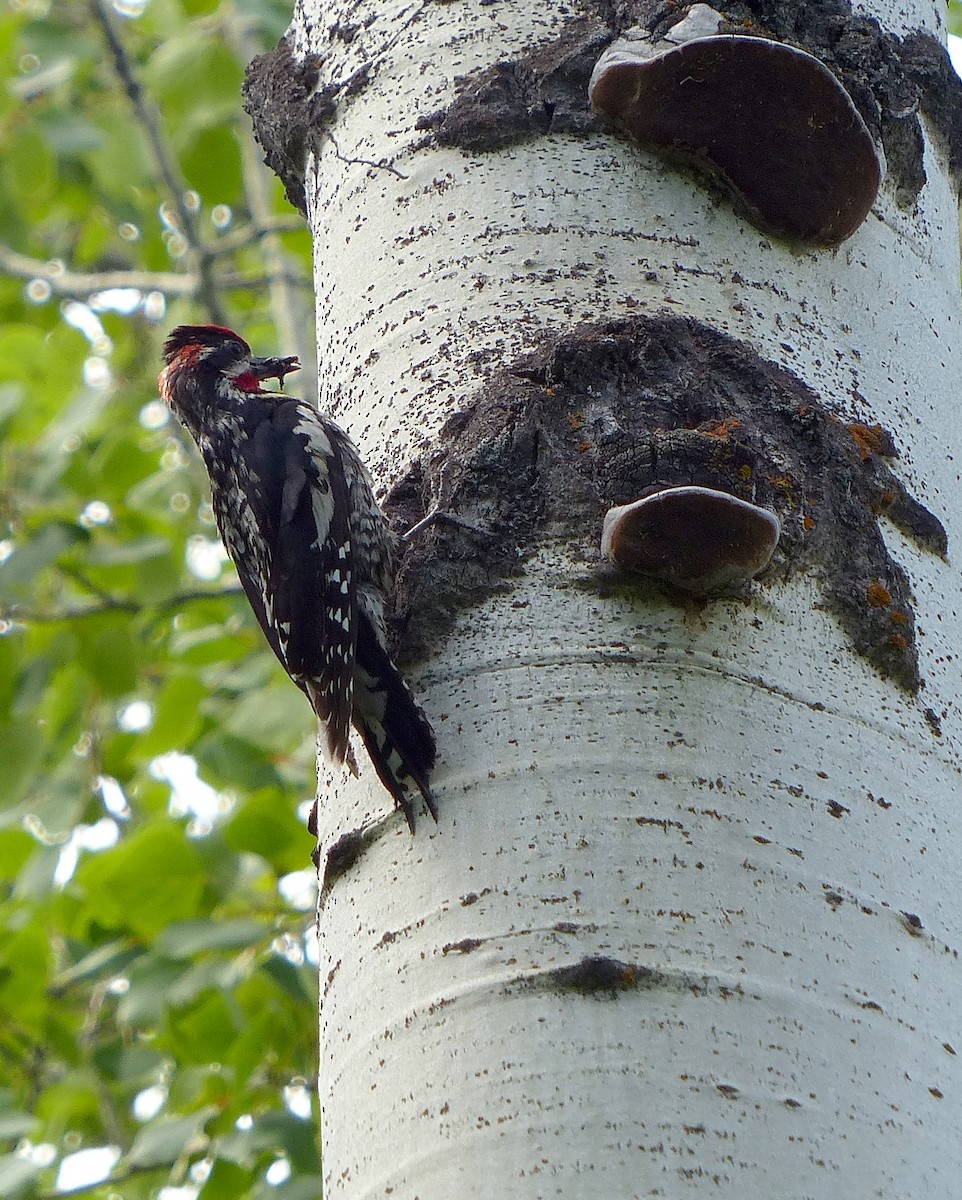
81 285
287 278
165 160
293 319
114 604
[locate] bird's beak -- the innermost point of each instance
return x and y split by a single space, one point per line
275 368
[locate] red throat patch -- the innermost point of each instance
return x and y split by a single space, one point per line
247 381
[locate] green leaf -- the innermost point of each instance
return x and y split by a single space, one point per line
281 1128
290 978
16 846
213 166
265 825
25 961
145 1001
303 1187
163 1141
146 882
27 168
230 762
21 747
34 553
247 1050
228 1181
207 975
188 938
108 650
206 1031
177 717
107 960
71 1102
20 345
71 134
120 162
266 716
135 550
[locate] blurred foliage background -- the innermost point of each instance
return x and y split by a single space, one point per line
158 984
157 962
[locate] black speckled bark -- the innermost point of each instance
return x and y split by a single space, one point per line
546 92
611 411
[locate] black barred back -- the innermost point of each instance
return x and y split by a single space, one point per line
296 511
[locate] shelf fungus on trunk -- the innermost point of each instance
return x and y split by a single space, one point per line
770 121
667 411
697 539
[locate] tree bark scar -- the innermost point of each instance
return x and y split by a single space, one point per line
281 97
621 408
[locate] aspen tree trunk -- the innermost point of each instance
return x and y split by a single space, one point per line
689 924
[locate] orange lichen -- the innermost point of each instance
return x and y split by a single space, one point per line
878 595
575 419
808 523
871 439
897 642
899 618
745 471
720 429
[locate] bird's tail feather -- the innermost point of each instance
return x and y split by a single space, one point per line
394 728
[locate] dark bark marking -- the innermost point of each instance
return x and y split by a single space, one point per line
604 978
344 854
598 974
889 79
544 92
611 411
280 96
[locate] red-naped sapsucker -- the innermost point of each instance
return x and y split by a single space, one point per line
296 511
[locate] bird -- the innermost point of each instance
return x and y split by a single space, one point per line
316 557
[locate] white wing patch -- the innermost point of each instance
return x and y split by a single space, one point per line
319 447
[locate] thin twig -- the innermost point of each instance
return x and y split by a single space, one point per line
362 162
249 235
164 158
83 580
30 617
290 280
292 316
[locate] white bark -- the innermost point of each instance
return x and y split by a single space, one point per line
618 777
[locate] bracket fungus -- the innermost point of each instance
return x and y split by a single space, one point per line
769 120
697 539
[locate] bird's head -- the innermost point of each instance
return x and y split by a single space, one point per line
213 352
